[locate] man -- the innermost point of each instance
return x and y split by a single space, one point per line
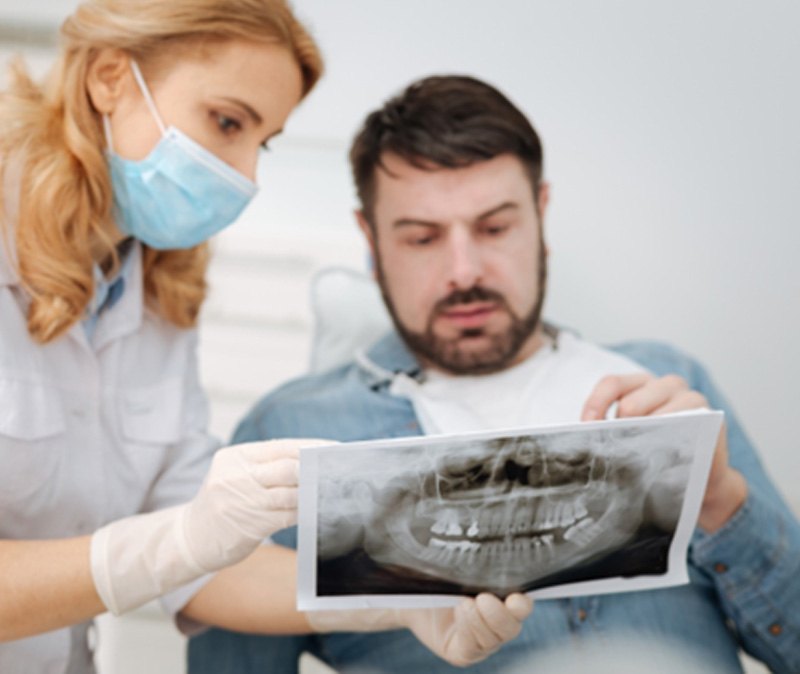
449 175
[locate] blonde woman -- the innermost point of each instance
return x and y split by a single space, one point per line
142 144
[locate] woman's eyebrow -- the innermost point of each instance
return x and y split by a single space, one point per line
244 106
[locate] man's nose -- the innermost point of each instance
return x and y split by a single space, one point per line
466 265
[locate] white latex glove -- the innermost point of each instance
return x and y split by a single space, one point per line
249 493
462 636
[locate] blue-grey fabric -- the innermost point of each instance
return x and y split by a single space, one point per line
107 292
745 578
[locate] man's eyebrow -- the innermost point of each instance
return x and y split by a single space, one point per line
247 108
419 222
411 222
506 205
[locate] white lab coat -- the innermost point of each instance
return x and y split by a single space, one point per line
92 432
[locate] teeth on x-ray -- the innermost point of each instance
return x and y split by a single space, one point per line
580 532
528 519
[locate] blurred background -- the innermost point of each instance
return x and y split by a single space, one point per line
672 147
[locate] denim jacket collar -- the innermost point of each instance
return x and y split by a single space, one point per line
386 358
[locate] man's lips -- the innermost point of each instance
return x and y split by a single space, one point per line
469 315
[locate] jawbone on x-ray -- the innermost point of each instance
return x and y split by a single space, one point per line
503 512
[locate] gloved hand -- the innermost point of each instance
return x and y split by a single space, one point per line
462 636
249 493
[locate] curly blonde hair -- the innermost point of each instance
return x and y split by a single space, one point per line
54 135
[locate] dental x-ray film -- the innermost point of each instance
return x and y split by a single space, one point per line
557 511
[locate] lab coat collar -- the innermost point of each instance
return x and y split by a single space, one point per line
125 316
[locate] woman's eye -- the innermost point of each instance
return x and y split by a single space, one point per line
228 125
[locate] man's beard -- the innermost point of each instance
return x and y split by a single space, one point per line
448 353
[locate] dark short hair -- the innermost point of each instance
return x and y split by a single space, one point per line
443 121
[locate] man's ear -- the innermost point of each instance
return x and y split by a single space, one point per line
543 199
369 234
108 76
542 202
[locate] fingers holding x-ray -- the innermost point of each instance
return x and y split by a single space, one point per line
471 631
641 394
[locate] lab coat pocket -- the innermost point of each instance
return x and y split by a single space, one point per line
29 411
153 414
31 422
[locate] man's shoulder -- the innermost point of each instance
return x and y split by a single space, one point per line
339 404
660 358
308 392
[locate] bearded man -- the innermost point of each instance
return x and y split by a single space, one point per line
453 203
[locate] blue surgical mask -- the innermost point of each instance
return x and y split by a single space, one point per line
180 194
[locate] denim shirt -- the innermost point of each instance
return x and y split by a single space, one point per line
745 578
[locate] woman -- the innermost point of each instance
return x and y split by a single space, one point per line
142 144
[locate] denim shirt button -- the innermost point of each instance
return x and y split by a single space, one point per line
776 629
719 567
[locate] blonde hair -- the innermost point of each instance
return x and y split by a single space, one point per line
65 191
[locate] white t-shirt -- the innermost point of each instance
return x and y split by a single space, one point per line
550 387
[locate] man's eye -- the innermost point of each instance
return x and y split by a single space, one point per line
495 230
422 239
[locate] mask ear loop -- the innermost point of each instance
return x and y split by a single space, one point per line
137 75
107 132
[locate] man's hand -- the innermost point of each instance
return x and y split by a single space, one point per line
462 636
642 394
472 631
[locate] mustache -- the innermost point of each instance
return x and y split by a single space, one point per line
474 294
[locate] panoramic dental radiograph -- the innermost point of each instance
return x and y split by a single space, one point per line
505 514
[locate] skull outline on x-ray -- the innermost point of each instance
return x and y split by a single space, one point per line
499 514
